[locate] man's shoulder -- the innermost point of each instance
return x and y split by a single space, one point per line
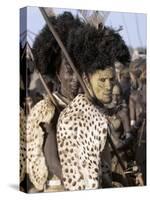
81 108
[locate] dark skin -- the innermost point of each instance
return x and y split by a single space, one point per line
69 85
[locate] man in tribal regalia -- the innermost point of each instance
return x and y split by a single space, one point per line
82 126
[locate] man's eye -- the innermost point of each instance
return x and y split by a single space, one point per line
102 79
68 68
111 79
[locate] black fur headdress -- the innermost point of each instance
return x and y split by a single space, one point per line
90 48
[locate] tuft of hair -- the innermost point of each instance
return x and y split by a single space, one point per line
93 49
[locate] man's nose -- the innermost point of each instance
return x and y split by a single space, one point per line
74 78
108 84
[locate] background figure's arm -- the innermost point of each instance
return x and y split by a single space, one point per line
123 114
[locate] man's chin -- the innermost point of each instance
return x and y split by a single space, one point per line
105 100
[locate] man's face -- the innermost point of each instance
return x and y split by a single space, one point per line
102 83
116 95
69 82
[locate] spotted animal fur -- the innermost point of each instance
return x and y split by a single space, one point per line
32 160
81 137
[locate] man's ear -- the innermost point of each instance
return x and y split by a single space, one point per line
86 79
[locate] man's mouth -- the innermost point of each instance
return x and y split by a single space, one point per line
107 94
74 89
114 102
